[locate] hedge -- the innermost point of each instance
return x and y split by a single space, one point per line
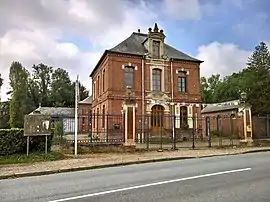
12 141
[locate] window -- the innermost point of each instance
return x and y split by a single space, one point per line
103 81
98 87
83 120
97 117
183 117
103 116
157 116
94 90
156 79
156 49
218 123
129 76
182 81
94 119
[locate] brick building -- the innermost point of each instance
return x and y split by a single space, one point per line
159 76
84 111
230 119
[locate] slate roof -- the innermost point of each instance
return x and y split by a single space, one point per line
55 111
134 44
87 100
224 106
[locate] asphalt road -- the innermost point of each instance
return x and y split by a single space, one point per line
242 178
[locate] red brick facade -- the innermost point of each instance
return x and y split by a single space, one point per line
109 90
228 123
84 110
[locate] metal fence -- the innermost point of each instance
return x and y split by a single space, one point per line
174 132
162 131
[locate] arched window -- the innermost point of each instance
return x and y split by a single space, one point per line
94 119
103 116
156 79
129 76
157 116
103 81
182 81
98 92
183 117
218 123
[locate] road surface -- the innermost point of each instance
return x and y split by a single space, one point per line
242 178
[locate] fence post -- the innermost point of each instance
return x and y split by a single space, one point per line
267 125
148 133
174 129
107 124
193 133
209 131
161 128
90 127
231 129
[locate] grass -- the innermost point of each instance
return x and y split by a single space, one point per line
32 158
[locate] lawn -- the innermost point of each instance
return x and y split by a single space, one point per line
34 157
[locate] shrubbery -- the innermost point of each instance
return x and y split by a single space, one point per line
12 141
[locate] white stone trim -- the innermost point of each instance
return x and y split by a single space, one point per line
176 71
162 77
129 64
151 104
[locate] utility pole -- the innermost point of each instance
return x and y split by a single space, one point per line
76 116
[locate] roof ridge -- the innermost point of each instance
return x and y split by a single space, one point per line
139 33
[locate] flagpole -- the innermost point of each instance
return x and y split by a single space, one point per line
76 117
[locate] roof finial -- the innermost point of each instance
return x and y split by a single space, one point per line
155 28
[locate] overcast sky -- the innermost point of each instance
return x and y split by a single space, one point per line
72 34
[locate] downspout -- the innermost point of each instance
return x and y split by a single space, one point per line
142 113
171 80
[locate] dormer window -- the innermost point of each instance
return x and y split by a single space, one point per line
156 49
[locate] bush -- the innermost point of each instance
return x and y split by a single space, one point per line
12 141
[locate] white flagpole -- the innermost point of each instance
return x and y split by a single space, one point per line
76 117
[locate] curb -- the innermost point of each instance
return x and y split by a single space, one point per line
256 151
49 172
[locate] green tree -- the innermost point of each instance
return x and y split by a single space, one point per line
1 81
83 92
229 88
4 115
33 92
42 79
257 79
61 89
19 103
208 88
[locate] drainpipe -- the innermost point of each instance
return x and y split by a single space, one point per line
172 80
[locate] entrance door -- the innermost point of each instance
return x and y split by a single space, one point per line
157 117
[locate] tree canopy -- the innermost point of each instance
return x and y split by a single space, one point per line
254 80
1 81
46 86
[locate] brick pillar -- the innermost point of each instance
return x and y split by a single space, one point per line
130 124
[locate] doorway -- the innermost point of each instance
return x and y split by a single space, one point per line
157 116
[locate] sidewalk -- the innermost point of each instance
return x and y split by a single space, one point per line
91 161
